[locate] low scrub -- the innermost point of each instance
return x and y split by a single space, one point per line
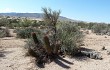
100 28
25 32
54 39
4 32
70 36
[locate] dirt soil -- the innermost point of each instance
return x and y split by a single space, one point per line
12 56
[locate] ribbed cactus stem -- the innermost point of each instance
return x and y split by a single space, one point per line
56 48
35 38
47 45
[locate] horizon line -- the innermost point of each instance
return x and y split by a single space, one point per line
62 16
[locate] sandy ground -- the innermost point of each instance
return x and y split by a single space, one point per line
12 56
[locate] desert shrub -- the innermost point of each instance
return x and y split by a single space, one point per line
13 25
16 30
4 22
37 24
70 37
83 25
9 22
26 32
100 28
42 47
55 39
4 32
24 24
90 25
43 51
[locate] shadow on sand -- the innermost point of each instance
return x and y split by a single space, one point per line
3 53
60 61
82 57
63 62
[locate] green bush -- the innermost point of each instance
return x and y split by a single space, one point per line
56 40
90 25
42 47
37 24
25 33
70 37
16 30
4 32
4 22
83 25
100 28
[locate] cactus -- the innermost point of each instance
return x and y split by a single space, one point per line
35 38
47 45
31 52
57 48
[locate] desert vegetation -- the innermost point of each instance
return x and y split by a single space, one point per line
58 38
51 39
4 32
47 39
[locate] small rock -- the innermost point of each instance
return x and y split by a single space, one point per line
103 48
105 37
108 52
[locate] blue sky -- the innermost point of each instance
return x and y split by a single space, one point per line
85 10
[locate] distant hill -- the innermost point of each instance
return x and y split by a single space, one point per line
33 15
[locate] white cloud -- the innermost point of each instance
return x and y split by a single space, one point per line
6 10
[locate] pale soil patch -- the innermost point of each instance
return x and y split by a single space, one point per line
13 55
